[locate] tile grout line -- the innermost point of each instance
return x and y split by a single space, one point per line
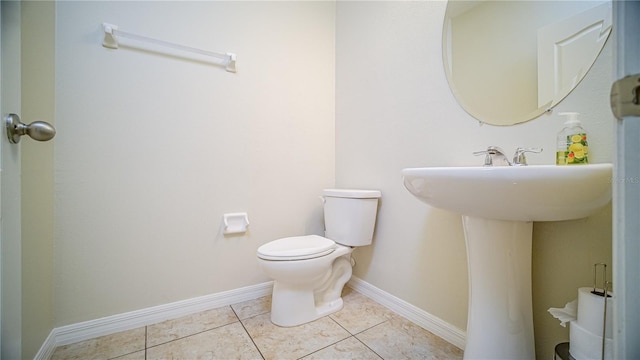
247 332
360 332
144 348
194 334
367 346
315 351
146 337
334 320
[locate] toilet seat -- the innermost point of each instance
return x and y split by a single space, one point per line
297 248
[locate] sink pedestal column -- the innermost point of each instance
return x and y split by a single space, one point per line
500 322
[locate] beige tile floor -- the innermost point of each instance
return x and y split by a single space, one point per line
363 329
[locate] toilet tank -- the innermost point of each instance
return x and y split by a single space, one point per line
350 215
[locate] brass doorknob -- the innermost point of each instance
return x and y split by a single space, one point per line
37 130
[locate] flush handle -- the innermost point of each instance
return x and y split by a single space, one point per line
37 130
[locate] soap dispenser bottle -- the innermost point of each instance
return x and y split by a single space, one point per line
572 142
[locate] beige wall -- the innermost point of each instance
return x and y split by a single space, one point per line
152 150
394 110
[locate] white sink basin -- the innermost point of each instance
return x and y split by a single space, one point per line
498 206
520 193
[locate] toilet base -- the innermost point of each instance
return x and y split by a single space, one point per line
292 308
293 305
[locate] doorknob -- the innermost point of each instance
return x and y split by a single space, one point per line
37 130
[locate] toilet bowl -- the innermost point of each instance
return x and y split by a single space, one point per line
310 271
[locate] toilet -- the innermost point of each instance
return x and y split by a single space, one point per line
310 271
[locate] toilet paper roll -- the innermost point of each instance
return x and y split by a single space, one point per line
591 312
585 345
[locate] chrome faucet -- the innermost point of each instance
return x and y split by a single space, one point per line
494 156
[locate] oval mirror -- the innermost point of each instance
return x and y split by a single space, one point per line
508 62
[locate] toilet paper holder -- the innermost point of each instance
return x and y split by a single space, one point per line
235 223
603 293
605 283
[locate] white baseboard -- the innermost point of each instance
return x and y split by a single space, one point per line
70 334
73 333
416 315
47 348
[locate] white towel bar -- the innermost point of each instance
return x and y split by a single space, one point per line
111 34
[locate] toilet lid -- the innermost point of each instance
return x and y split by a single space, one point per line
296 248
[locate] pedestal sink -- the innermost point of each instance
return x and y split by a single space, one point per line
498 206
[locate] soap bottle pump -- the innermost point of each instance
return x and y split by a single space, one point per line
572 142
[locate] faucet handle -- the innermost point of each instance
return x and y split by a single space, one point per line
490 153
488 160
519 159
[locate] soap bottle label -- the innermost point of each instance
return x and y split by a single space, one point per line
577 150
561 157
